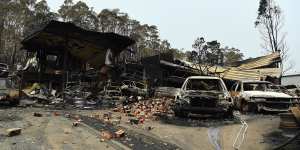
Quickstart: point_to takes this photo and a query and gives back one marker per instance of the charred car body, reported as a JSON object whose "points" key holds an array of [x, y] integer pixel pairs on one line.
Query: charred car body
{"points": [[203, 95], [133, 88], [281, 88], [259, 96], [111, 95], [294, 89]]}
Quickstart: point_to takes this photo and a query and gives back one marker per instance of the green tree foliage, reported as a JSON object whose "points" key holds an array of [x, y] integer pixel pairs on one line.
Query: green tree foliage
{"points": [[178, 53], [18, 18], [232, 55], [3, 8], [79, 13], [215, 55], [66, 12], [208, 54], [146, 36], [42, 13]]}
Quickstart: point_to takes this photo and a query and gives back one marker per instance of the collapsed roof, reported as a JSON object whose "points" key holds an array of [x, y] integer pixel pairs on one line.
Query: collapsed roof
{"points": [[88, 46], [259, 62], [255, 69], [249, 69], [251, 74]]}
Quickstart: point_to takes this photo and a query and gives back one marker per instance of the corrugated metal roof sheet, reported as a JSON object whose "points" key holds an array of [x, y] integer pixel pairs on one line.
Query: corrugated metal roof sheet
{"points": [[234, 74], [251, 74], [261, 61], [254, 69], [273, 72], [251, 69]]}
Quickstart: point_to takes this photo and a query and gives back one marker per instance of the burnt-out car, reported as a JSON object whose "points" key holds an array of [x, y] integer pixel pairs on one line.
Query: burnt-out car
{"points": [[8, 94], [203, 95], [281, 88], [294, 89], [111, 94], [133, 88], [257, 96]]}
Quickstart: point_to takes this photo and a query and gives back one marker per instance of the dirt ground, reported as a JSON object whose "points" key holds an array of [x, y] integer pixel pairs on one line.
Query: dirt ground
{"points": [[169, 132], [44, 133]]}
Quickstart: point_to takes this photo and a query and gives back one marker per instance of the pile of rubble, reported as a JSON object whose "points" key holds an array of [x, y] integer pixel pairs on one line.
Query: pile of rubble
{"points": [[40, 93], [147, 109], [290, 120], [137, 112], [80, 95], [76, 95]]}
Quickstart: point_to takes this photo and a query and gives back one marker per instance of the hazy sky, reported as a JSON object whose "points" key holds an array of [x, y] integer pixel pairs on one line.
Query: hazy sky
{"points": [[231, 22]]}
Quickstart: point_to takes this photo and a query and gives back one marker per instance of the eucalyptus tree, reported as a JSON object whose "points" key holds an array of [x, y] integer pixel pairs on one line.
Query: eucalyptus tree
{"points": [[66, 12], [17, 15], [42, 13], [232, 55], [270, 21], [79, 13]]}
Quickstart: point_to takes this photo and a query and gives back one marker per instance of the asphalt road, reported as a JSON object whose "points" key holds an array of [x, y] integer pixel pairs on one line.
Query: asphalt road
{"points": [[56, 132]]}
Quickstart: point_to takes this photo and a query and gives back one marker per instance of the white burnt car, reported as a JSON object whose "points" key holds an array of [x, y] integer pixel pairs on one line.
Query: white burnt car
{"points": [[257, 96], [203, 95]]}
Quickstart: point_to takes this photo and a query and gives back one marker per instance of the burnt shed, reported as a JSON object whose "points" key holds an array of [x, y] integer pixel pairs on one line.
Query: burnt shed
{"points": [[63, 48]]}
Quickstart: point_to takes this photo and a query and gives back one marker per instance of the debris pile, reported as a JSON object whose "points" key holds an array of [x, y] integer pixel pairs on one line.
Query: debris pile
{"points": [[290, 120], [40, 92], [146, 109], [75, 124], [111, 95], [75, 94], [137, 112], [105, 135], [130, 88], [166, 92], [35, 114]]}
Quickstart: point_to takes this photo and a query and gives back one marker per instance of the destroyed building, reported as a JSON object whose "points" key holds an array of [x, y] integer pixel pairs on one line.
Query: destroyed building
{"points": [[61, 52]]}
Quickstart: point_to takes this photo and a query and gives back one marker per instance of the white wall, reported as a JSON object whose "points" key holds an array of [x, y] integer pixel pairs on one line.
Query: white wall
{"points": [[288, 80]]}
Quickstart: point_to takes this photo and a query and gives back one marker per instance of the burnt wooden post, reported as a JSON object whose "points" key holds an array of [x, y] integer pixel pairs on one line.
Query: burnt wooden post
{"points": [[64, 76], [40, 65], [21, 84]]}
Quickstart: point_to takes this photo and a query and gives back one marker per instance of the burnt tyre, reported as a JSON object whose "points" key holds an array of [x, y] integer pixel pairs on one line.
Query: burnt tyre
{"points": [[181, 113], [248, 107], [228, 113], [14, 102]]}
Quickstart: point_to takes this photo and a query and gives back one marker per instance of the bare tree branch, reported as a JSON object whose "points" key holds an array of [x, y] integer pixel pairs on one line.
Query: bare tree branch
{"points": [[270, 22]]}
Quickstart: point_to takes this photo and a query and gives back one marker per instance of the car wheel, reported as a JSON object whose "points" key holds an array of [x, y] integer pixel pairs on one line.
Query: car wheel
{"points": [[248, 107], [228, 113], [14, 102], [181, 113]]}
